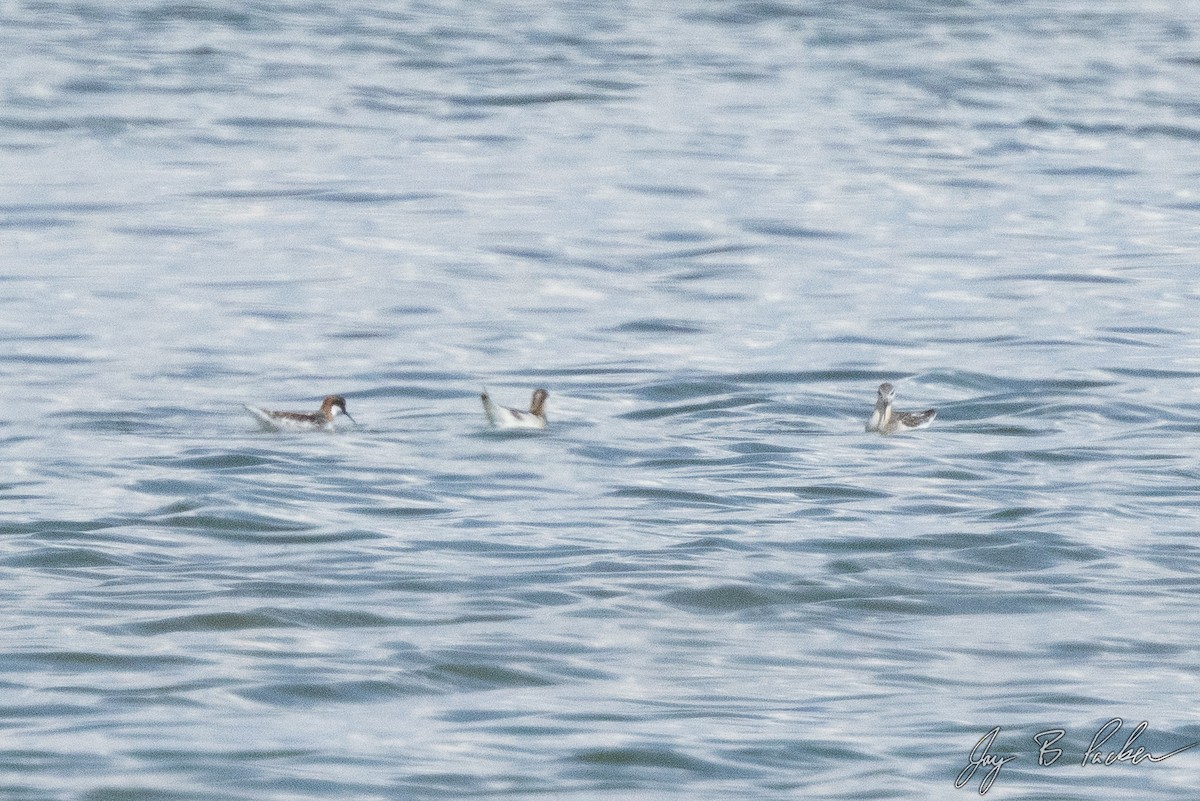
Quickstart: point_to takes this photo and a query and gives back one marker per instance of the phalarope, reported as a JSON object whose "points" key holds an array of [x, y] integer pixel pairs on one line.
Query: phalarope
{"points": [[322, 419], [887, 420], [503, 417]]}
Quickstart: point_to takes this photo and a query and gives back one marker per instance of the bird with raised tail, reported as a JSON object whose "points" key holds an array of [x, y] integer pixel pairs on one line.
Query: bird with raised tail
{"points": [[887, 420], [504, 417], [320, 420]]}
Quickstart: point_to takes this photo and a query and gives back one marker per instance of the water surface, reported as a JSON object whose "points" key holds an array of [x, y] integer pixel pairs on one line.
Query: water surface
{"points": [[710, 230]]}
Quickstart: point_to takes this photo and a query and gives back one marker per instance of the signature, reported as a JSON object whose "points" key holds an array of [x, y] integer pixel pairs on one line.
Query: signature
{"points": [[1097, 752], [981, 755]]}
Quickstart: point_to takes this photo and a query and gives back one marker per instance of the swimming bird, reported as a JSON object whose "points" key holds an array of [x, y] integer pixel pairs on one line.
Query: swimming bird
{"points": [[320, 420], [503, 417], [887, 420]]}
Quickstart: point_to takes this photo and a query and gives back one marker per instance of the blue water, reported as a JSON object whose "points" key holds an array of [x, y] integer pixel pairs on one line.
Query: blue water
{"points": [[710, 230]]}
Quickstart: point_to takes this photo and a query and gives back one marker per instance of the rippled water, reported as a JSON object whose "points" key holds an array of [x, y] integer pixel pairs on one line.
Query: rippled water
{"points": [[710, 230]]}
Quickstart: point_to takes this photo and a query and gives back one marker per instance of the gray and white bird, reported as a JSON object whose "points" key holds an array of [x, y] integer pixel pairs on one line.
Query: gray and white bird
{"points": [[320, 420], [886, 420], [504, 417]]}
